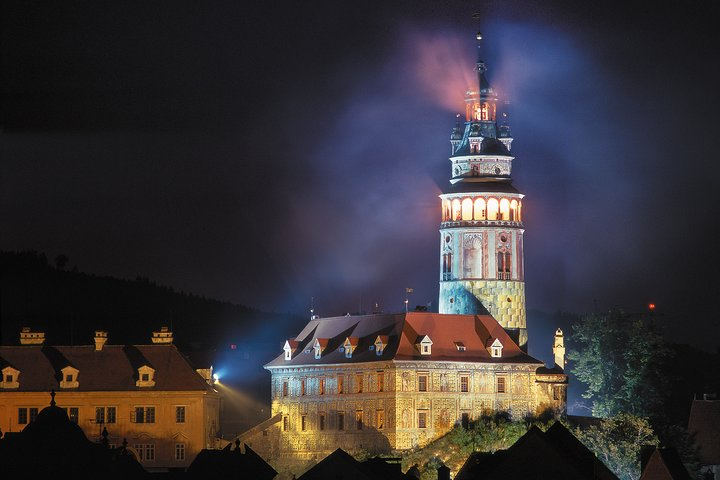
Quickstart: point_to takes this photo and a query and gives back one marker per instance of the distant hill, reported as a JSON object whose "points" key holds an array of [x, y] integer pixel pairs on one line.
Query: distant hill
{"points": [[70, 305]]}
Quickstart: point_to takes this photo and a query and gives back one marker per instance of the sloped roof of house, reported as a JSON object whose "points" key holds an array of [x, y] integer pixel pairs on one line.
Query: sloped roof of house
{"points": [[114, 368], [402, 331]]}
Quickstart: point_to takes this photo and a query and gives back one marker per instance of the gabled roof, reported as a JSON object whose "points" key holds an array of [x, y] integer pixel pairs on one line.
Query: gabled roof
{"points": [[401, 332], [662, 464], [114, 368]]}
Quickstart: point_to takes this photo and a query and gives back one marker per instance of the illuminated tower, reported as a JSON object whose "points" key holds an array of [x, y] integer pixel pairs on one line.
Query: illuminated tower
{"points": [[481, 234]]}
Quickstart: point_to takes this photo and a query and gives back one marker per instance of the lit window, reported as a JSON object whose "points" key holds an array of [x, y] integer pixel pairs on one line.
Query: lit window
{"points": [[380, 381], [422, 419], [359, 380], [180, 414], [456, 211], [467, 209], [380, 419], [321, 386], [479, 209], [492, 209], [340, 384], [505, 209], [179, 452]]}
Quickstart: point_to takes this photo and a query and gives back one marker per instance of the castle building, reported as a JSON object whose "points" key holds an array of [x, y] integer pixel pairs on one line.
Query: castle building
{"points": [[481, 234], [147, 395], [386, 382]]}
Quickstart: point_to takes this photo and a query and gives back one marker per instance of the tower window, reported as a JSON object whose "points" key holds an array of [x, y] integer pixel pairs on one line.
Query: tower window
{"points": [[479, 209], [504, 264], [492, 209], [447, 266], [467, 209], [456, 211]]}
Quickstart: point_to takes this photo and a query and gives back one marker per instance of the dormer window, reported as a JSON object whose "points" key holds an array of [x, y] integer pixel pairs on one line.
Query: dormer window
{"points": [[69, 377], [496, 349], [460, 346], [10, 377], [290, 348], [380, 343], [319, 346], [146, 377], [350, 345], [424, 345]]}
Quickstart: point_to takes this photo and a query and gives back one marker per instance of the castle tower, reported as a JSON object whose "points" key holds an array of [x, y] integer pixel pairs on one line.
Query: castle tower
{"points": [[481, 234]]}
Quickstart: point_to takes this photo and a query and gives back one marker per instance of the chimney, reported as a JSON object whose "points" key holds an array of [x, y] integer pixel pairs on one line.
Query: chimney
{"points": [[100, 339], [559, 350], [28, 337], [163, 336]]}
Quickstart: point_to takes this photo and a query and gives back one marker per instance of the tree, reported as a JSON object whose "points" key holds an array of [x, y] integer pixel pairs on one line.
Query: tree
{"points": [[619, 357], [617, 442]]}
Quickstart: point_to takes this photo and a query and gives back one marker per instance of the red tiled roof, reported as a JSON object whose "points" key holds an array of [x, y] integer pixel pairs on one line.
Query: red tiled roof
{"points": [[400, 332], [114, 368]]}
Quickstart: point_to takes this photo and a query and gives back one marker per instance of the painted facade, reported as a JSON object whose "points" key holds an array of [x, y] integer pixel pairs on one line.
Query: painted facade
{"points": [[380, 383]]}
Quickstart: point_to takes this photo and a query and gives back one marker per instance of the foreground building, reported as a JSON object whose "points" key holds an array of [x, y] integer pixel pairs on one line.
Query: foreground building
{"points": [[388, 382], [148, 395]]}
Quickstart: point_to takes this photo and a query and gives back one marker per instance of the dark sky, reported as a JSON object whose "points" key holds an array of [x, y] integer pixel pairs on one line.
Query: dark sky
{"points": [[270, 153]]}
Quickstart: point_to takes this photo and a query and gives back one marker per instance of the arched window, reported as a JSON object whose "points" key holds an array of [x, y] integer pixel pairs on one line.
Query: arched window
{"points": [[505, 209], [479, 213], [456, 210], [447, 266], [467, 206], [504, 257], [446, 210], [514, 211], [519, 212], [492, 209]]}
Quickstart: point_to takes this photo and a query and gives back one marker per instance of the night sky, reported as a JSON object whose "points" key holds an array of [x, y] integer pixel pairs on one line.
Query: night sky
{"points": [[275, 154]]}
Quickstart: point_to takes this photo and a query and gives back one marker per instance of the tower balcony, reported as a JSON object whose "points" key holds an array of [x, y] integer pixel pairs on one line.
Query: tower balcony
{"points": [[482, 223]]}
